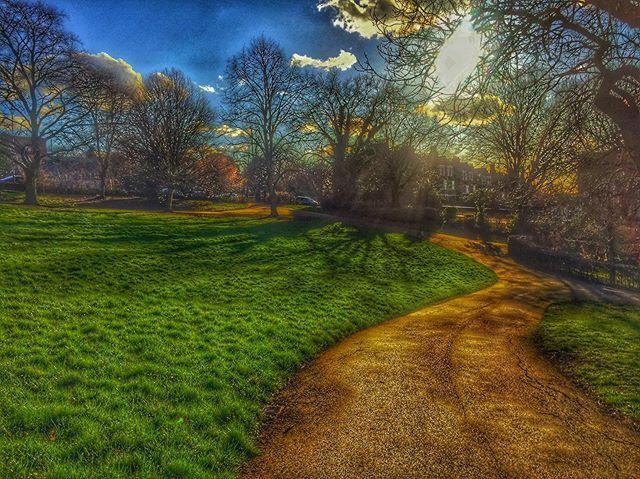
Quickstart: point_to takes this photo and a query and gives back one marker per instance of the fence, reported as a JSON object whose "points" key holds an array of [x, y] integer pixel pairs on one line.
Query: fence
{"points": [[611, 274]]}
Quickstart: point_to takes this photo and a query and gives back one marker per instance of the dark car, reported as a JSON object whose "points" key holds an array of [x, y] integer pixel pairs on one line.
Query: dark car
{"points": [[306, 201]]}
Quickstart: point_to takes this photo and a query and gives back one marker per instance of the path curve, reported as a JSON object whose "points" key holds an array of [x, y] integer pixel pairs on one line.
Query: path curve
{"points": [[455, 390]]}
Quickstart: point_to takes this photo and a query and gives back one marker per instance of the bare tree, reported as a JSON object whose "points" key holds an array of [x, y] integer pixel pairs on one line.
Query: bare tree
{"points": [[608, 190], [405, 136], [530, 136], [593, 41], [581, 40], [169, 125], [390, 171], [263, 101], [107, 102], [346, 115], [37, 95]]}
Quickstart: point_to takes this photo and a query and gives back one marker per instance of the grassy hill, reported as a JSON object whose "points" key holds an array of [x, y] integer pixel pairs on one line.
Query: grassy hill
{"points": [[146, 345]]}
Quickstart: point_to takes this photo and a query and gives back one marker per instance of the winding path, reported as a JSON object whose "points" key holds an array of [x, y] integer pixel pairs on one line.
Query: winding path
{"points": [[455, 390]]}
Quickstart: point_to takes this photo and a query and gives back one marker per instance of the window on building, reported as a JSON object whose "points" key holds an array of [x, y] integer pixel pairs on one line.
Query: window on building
{"points": [[449, 171]]}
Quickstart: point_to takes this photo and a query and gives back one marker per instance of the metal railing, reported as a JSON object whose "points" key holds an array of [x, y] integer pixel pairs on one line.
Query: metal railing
{"points": [[611, 274]]}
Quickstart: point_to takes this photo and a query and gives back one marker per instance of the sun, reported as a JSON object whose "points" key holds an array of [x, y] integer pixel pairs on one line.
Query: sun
{"points": [[458, 57]]}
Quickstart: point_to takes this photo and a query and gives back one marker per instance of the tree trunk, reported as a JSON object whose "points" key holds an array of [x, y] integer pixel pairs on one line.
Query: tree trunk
{"points": [[611, 253], [33, 161], [344, 185], [272, 185], [273, 200], [623, 10], [626, 117], [395, 196], [103, 186], [31, 186], [170, 200]]}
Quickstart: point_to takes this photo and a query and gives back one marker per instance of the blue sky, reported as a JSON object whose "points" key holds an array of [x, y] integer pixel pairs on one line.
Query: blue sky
{"points": [[198, 36]]}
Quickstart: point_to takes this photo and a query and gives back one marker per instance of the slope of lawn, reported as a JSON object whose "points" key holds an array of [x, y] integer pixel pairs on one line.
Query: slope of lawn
{"points": [[146, 345], [599, 345]]}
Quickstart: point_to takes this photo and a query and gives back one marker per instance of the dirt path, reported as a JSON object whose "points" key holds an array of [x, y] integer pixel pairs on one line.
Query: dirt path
{"points": [[253, 211], [456, 390]]}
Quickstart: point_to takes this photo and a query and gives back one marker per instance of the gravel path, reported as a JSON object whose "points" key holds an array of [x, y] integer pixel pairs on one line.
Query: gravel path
{"points": [[455, 390]]}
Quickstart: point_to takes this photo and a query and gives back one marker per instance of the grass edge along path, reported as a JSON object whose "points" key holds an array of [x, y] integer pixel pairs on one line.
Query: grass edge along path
{"points": [[599, 346]]}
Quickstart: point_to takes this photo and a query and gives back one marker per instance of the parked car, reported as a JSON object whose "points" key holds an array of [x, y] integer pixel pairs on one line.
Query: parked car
{"points": [[306, 201], [12, 180]]}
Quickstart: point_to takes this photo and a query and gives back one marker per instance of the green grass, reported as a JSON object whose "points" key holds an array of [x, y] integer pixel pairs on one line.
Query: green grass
{"points": [[206, 205], [146, 345], [70, 201], [50, 201], [599, 345]]}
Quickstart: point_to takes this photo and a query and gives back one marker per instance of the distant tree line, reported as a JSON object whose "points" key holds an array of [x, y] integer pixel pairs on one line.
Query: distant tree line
{"points": [[52, 95], [555, 99]]}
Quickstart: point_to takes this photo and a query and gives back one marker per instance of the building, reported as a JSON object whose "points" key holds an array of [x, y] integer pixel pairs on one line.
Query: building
{"points": [[70, 173], [14, 145], [456, 179]]}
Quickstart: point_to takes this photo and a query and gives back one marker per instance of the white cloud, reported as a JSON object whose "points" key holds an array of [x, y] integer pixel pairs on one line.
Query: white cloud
{"points": [[226, 130], [357, 16], [343, 61], [208, 88], [220, 77], [119, 68]]}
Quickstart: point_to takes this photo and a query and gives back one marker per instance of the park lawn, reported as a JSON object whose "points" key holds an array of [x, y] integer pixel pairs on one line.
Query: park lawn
{"points": [[14, 197], [599, 345], [50, 201], [146, 345], [207, 205]]}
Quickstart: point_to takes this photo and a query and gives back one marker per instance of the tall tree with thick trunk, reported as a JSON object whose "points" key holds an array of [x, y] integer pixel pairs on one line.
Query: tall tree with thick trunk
{"points": [[346, 115], [37, 94], [263, 102]]}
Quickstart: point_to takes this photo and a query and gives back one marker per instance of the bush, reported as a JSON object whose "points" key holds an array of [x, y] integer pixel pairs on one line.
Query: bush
{"points": [[425, 217], [449, 214], [285, 197], [327, 203]]}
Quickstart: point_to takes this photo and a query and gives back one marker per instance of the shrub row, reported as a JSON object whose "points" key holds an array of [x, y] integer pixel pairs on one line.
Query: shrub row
{"points": [[425, 218]]}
